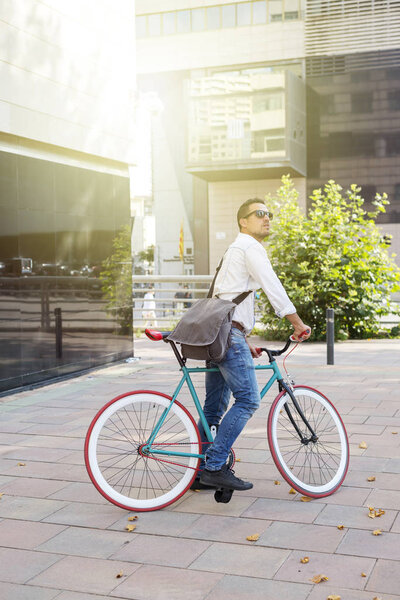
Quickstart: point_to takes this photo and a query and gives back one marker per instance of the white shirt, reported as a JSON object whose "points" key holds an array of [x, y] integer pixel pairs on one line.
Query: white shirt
{"points": [[246, 266]]}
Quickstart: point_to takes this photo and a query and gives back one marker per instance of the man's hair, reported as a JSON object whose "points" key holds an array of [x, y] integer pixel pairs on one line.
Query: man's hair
{"points": [[244, 209]]}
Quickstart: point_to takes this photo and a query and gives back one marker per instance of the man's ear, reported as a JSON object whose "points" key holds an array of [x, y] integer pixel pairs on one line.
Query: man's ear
{"points": [[242, 222]]}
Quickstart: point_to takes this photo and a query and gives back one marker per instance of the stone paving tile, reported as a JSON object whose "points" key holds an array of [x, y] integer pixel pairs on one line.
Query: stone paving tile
{"points": [[382, 451], [342, 571], [44, 470], [392, 466], [368, 463], [390, 421], [85, 515], [81, 596], [237, 588], [19, 566], [158, 550], [283, 510], [73, 458], [237, 559], [383, 481], [26, 534], [266, 488], [204, 503], [33, 509], [33, 488], [51, 441], [363, 543], [301, 536], [384, 499], [93, 543], [225, 529], [324, 590], [80, 574], [385, 578], [36, 454], [347, 496], [161, 522], [167, 583], [396, 525], [13, 591], [355, 517], [79, 492]]}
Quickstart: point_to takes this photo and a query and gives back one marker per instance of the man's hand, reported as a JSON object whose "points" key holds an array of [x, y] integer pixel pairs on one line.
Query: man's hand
{"points": [[301, 331], [253, 350]]}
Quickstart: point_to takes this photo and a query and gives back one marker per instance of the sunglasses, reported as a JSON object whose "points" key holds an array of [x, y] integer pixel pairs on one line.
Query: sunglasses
{"points": [[260, 214]]}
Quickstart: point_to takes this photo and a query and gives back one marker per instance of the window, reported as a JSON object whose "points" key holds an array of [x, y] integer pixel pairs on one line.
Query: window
{"points": [[275, 10], [229, 15], [154, 23], [198, 19], [269, 140], [244, 13], [213, 17], [394, 100], [328, 104], [259, 12], [183, 21], [141, 27], [291, 10], [361, 103], [396, 196], [263, 103], [169, 23]]}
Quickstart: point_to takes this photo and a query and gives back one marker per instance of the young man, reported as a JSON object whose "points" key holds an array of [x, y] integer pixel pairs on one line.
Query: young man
{"points": [[245, 267]]}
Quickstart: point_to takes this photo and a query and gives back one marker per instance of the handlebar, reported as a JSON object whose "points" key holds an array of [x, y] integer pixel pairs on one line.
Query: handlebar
{"points": [[285, 347]]}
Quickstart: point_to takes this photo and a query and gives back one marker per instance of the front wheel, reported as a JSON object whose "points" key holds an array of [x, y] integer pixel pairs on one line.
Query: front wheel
{"points": [[315, 468], [120, 466]]}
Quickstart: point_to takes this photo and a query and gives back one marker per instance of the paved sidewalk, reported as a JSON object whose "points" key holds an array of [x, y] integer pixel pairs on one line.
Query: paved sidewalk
{"points": [[60, 539]]}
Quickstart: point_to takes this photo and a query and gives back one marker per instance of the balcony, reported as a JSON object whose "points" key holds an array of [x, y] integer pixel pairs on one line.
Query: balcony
{"points": [[247, 126]]}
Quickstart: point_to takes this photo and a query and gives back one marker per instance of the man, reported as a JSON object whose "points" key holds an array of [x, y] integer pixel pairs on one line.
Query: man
{"points": [[245, 267]]}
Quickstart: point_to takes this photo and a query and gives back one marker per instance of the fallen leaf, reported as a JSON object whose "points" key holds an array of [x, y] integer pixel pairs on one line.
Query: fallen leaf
{"points": [[238, 460], [1, 494], [395, 432], [375, 512], [319, 578], [253, 538], [376, 598], [340, 526], [132, 518], [292, 491], [377, 532], [118, 575], [305, 499], [21, 464], [363, 574], [333, 597], [363, 445], [130, 527], [277, 482], [305, 560], [372, 478]]}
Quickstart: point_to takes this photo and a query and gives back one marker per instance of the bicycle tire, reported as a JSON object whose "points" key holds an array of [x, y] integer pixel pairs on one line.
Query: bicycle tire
{"points": [[113, 458], [316, 469]]}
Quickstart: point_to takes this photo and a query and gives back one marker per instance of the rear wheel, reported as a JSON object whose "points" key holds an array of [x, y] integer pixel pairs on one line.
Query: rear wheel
{"points": [[120, 466], [314, 468]]}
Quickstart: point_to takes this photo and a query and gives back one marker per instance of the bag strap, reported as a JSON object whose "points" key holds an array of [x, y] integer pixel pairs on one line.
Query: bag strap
{"points": [[236, 300]]}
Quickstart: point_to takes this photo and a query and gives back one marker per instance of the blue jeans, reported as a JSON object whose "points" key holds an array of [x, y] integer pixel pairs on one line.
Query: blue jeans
{"points": [[237, 375]]}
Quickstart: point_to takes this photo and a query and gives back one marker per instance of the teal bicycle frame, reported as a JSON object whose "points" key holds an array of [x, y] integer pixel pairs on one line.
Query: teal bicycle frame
{"points": [[148, 449]]}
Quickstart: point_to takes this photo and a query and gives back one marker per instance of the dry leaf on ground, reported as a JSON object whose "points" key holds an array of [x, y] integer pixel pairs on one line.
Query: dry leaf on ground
{"points": [[20, 464], [277, 482], [132, 518], [238, 459], [130, 527], [376, 598], [395, 432], [305, 499], [292, 491], [334, 597], [340, 526], [253, 538], [319, 578], [118, 575], [363, 574], [372, 478], [363, 445], [377, 532], [373, 513], [305, 560]]}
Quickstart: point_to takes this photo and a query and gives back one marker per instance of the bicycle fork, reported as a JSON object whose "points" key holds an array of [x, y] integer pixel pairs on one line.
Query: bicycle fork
{"points": [[304, 440]]}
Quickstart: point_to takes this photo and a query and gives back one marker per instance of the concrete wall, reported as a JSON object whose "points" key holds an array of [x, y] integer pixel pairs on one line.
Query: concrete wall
{"points": [[68, 74]]}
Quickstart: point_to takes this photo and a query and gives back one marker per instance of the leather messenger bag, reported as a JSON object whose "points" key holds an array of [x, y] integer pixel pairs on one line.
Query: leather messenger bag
{"points": [[204, 331]]}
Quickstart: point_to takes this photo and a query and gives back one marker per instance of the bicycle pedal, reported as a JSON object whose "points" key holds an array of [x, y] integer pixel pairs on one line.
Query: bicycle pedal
{"points": [[223, 495]]}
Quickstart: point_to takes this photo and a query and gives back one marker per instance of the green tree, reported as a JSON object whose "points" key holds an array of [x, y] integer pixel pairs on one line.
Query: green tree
{"points": [[116, 278], [336, 256]]}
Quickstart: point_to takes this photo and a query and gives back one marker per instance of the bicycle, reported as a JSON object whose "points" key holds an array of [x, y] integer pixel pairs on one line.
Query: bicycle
{"points": [[143, 448]]}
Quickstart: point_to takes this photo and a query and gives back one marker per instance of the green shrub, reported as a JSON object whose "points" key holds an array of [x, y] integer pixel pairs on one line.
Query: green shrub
{"points": [[116, 278], [335, 257]]}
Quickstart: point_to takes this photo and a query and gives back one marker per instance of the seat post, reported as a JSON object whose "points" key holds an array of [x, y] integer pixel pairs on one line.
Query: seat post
{"points": [[179, 358]]}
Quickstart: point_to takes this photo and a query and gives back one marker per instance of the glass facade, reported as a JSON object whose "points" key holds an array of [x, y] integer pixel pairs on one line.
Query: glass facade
{"points": [[58, 224], [354, 132]]}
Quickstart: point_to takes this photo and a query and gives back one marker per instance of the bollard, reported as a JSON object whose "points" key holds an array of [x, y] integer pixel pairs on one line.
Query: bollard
{"points": [[58, 330], [330, 335]]}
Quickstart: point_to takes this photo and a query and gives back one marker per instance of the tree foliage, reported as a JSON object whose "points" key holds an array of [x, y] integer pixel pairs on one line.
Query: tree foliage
{"points": [[116, 278], [333, 257]]}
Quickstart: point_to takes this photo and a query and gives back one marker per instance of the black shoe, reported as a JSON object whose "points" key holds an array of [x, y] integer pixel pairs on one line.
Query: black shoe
{"points": [[197, 485], [224, 478]]}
